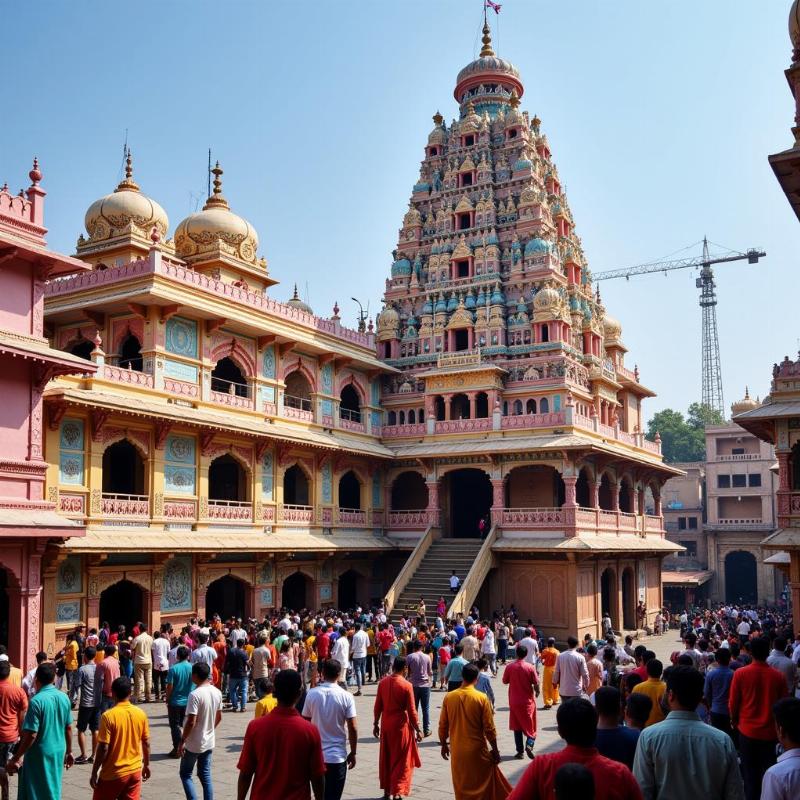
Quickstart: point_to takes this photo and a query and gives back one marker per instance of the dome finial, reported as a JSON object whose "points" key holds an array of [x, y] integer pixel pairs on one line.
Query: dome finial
{"points": [[438, 119], [129, 183], [217, 200], [486, 50], [295, 296]]}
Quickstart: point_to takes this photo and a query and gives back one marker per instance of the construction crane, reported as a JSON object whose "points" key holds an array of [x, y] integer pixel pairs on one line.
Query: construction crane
{"points": [[711, 370]]}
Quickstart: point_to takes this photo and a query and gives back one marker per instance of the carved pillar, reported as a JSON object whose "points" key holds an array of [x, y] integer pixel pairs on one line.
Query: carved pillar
{"points": [[498, 500], [783, 471], [615, 487], [471, 403], [570, 491], [447, 399], [595, 498], [656, 504]]}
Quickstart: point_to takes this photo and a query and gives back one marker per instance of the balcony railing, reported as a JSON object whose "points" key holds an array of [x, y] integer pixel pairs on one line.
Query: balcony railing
{"points": [[739, 521], [125, 505], [298, 408], [532, 517], [533, 420], [463, 425], [740, 457], [122, 375], [398, 431], [229, 399], [415, 519], [230, 510], [350, 415], [289, 512], [352, 516]]}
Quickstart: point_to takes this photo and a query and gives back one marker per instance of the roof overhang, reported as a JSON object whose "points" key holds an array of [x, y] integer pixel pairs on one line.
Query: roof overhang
{"points": [[48, 262], [686, 578], [589, 544]]}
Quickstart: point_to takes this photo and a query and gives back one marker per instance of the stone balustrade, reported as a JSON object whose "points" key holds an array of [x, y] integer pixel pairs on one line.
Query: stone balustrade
{"points": [[230, 510], [125, 505], [463, 425], [532, 517], [533, 420], [296, 513], [122, 375], [351, 425], [181, 388], [351, 516], [399, 431], [413, 519], [234, 400]]}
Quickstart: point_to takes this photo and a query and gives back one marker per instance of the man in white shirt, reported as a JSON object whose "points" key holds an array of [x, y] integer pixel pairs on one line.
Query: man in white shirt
{"points": [[333, 710], [531, 645], [160, 664], [571, 674], [341, 652], [455, 582], [782, 780], [260, 662], [358, 652], [488, 649], [28, 682], [142, 647], [743, 629], [470, 646], [286, 623], [203, 714]]}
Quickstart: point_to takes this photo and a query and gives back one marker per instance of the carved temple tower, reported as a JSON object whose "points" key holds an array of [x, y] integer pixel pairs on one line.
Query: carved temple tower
{"points": [[513, 403]]}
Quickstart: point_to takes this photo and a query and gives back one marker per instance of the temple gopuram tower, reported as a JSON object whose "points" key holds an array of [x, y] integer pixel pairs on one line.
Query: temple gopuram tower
{"points": [[513, 415]]}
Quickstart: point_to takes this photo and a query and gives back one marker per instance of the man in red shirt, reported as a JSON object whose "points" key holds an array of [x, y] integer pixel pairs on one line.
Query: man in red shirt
{"points": [[282, 752], [323, 644], [106, 672], [577, 725], [385, 639], [754, 691], [13, 705]]}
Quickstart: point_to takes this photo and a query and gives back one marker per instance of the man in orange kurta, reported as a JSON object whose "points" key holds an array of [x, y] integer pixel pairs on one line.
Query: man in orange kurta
{"points": [[398, 755], [523, 683], [549, 657], [467, 721]]}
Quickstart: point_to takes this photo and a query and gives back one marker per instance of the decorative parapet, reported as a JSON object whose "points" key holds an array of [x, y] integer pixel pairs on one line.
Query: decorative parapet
{"points": [[461, 358], [463, 425], [230, 510], [398, 431], [533, 420], [130, 376], [158, 264], [415, 519], [125, 505], [22, 215]]}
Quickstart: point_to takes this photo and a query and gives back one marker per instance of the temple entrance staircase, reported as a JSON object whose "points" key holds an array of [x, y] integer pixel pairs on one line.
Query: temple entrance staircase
{"points": [[429, 573]]}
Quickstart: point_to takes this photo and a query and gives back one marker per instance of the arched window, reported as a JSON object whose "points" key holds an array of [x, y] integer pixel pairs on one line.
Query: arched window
{"points": [[439, 407], [228, 378], [421, 416], [295, 487], [350, 491], [392, 418], [412, 417], [544, 406], [350, 404], [517, 407], [123, 470], [530, 406], [545, 333], [626, 496], [583, 494], [298, 391], [505, 408], [401, 417], [227, 479], [481, 405], [606, 494], [82, 349], [130, 354], [459, 407]]}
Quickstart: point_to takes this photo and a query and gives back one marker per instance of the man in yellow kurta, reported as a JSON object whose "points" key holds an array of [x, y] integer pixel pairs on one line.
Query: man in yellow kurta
{"points": [[467, 721], [549, 657]]}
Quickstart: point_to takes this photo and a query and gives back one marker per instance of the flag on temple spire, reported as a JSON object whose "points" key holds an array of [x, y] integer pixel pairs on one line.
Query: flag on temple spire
{"points": [[494, 6]]}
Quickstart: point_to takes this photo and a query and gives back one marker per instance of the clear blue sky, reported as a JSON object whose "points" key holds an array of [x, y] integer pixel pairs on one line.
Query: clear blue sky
{"points": [[660, 117]]}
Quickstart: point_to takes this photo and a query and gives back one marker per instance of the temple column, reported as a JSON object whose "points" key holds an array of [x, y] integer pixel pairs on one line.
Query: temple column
{"points": [[447, 399], [471, 405], [433, 502], [570, 490], [615, 487], [595, 499], [498, 500]]}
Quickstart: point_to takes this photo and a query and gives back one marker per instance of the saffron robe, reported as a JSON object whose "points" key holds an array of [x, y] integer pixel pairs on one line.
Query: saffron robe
{"points": [[521, 678], [468, 721], [398, 755]]}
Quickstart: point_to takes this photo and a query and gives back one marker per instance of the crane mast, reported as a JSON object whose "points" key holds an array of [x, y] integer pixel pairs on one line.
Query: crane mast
{"points": [[711, 394]]}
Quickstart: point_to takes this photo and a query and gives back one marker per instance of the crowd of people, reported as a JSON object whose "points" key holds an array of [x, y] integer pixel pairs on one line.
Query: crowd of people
{"points": [[722, 718]]}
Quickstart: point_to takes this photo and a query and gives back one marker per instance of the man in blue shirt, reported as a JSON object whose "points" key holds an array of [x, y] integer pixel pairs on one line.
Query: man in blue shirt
{"points": [[454, 669], [717, 689], [613, 740], [179, 684]]}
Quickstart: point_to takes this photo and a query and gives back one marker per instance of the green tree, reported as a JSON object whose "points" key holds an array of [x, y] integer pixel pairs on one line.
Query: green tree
{"points": [[683, 438]]}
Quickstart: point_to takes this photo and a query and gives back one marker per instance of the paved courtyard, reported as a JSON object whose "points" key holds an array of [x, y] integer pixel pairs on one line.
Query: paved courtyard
{"points": [[431, 781]]}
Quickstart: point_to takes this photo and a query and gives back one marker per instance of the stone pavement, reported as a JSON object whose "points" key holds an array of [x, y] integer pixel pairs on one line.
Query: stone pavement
{"points": [[431, 781]]}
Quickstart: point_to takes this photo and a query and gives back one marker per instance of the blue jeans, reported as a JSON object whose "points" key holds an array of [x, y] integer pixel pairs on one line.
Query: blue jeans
{"points": [[237, 691], [422, 696], [360, 670], [203, 761]]}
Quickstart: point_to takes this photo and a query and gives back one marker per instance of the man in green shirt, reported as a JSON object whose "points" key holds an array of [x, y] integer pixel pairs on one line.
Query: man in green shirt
{"points": [[46, 741], [179, 684]]}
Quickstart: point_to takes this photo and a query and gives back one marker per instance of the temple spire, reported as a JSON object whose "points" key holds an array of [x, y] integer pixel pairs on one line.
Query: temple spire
{"points": [[486, 50], [216, 200], [128, 183]]}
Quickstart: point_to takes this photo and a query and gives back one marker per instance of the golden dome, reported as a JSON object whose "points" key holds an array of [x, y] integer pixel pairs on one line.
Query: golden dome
{"points": [[546, 298], [216, 227], [612, 328], [388, 324], [794, 24], [125, 206], [745, 404]]}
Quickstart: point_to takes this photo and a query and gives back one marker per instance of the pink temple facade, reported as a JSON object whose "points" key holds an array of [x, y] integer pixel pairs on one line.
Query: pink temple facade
{"points": [[28, 523]]}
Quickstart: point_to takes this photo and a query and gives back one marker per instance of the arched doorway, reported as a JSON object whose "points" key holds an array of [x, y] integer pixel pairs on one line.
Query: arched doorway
{"points": [[123, 470], [608, 596], [351, 591], [459, 407], [295, 487], [4, 607], [298, 391], [628, 599], [626, 496], [228, 378], [605, 496], [83, 348], [130, 354], [227, 480], [741, 578], [350, 491], [122, 603], [350, 404], [409, 492], [469, 498], [481, 405], [225, 596], [583, 494], [295, 594]]}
